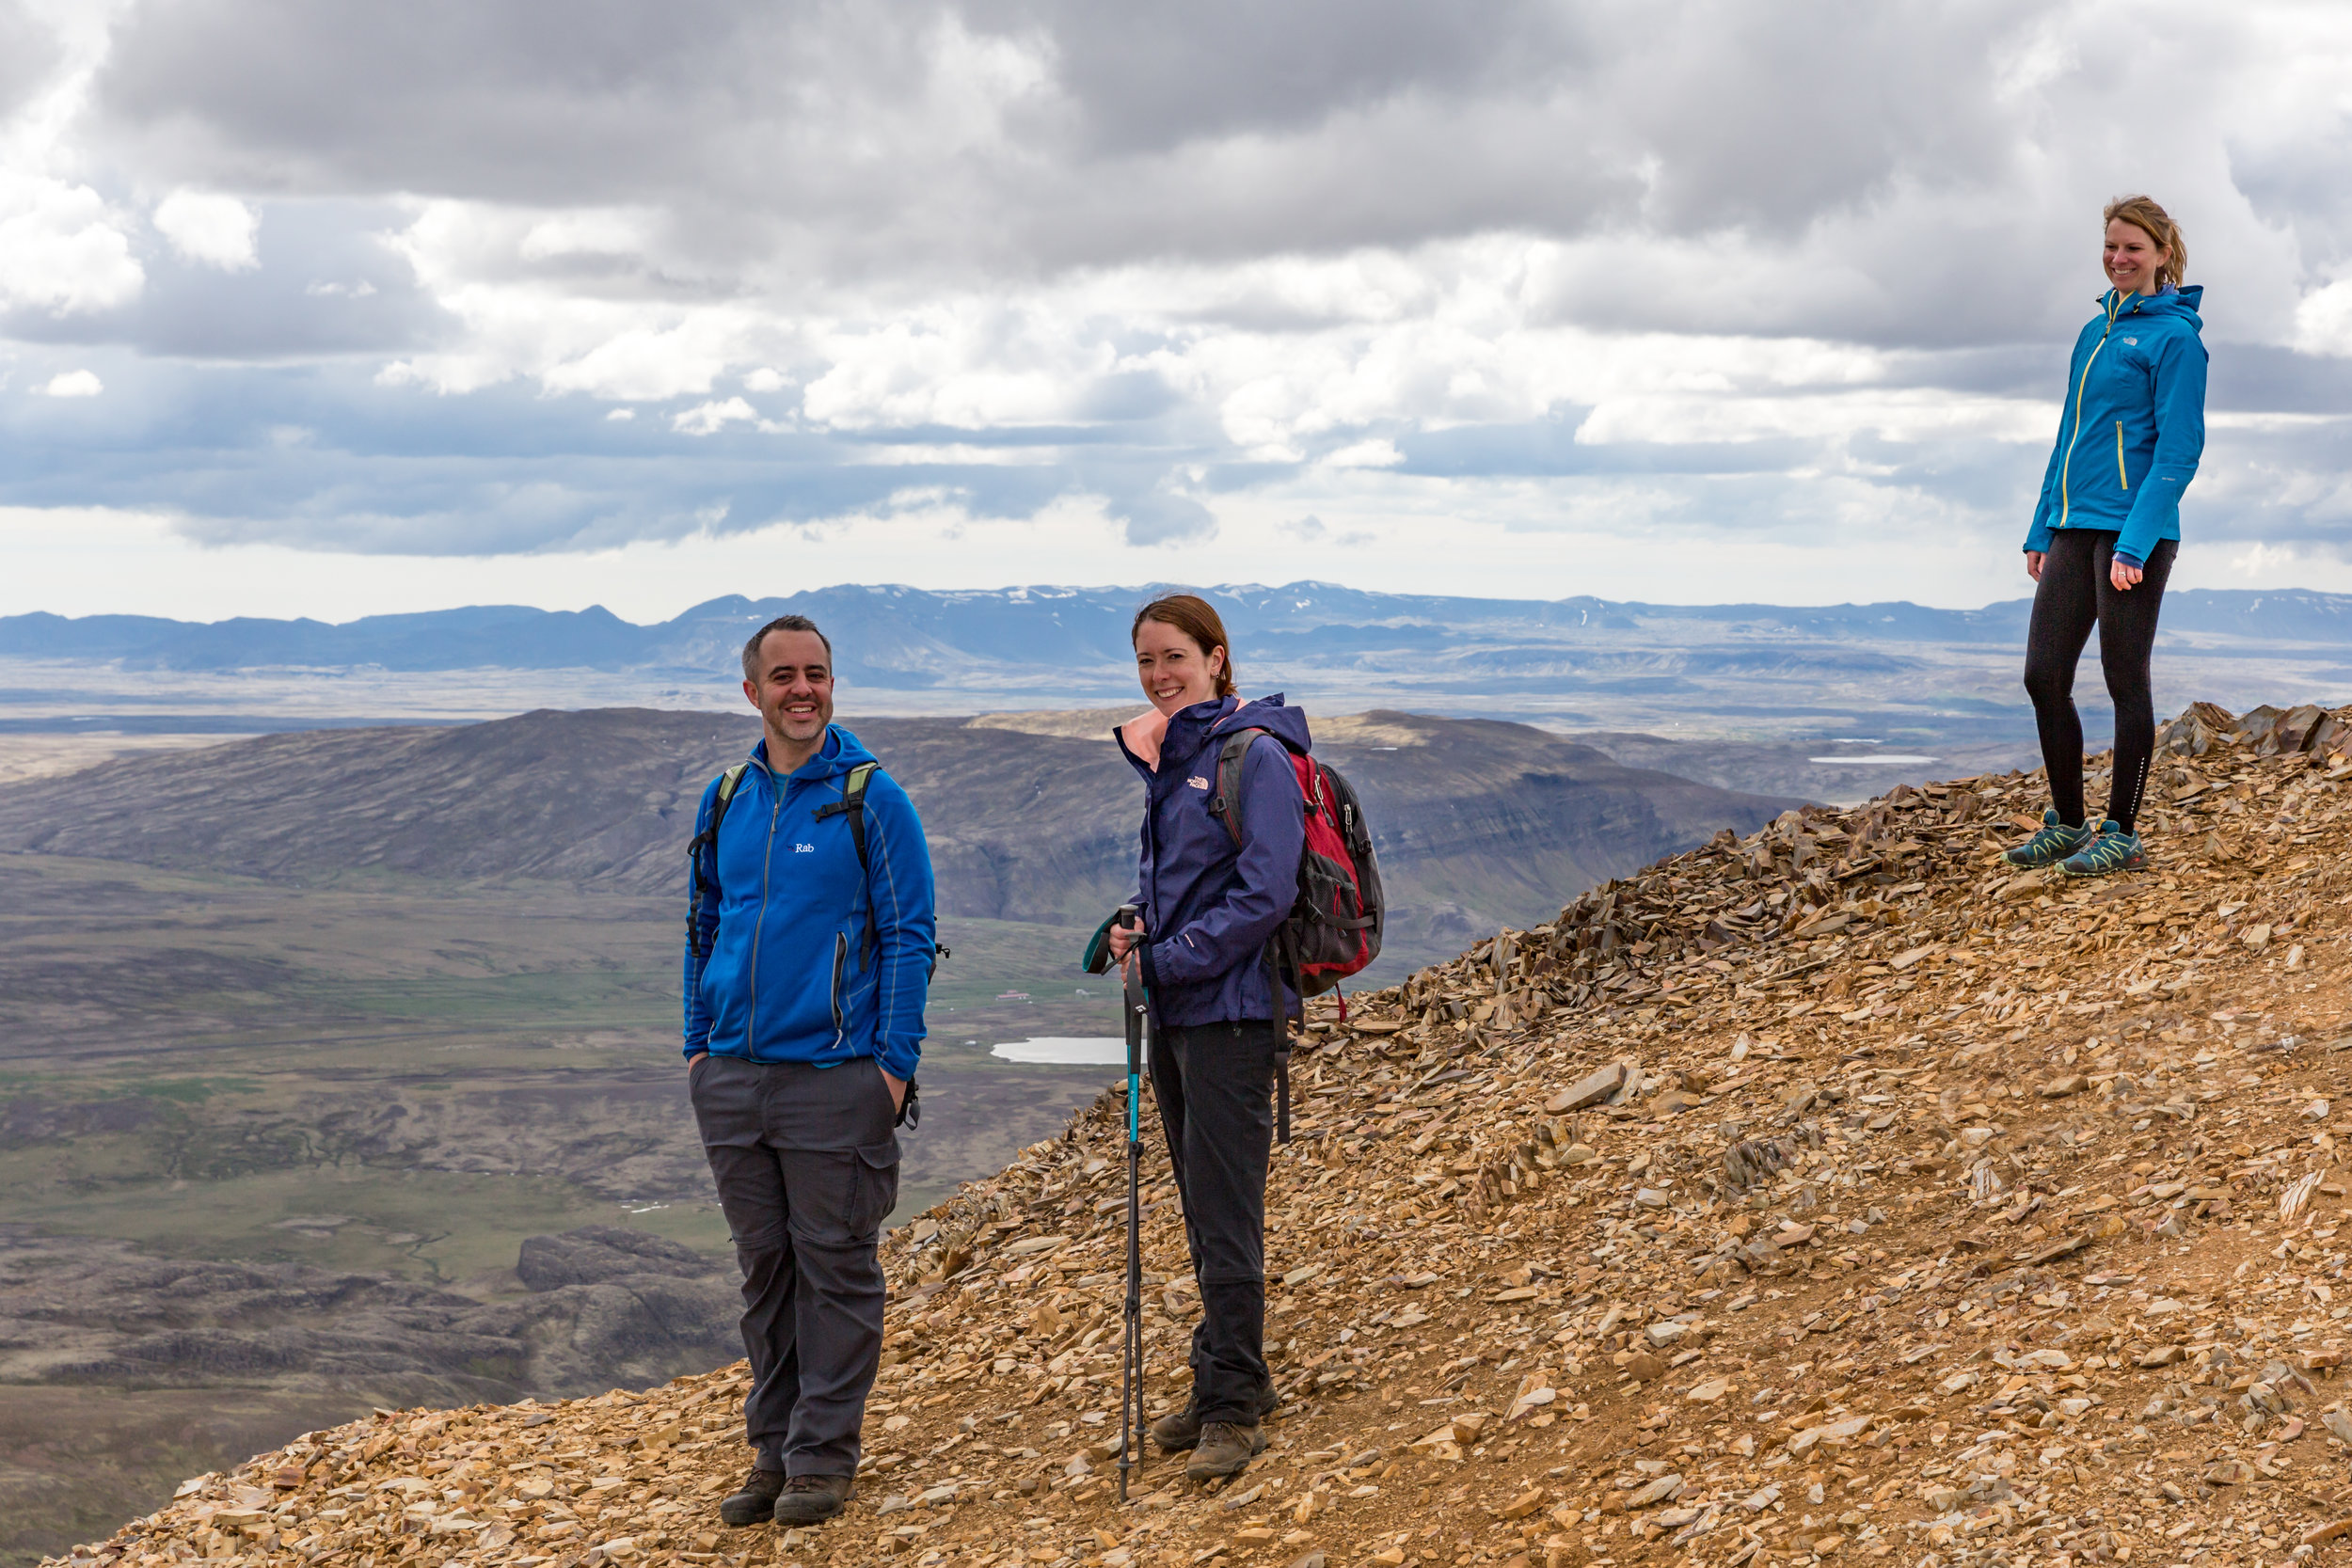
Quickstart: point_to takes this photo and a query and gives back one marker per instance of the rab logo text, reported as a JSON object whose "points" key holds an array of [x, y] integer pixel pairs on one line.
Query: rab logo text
{"points": [[804, 848], [1198, 782]]}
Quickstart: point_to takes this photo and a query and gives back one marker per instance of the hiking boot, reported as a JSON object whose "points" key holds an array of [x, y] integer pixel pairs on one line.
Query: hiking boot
{"points": [[810, 1498], [754, 1501], [1180, 1430], [1225, 1448], [2053, 844], [2113, 850]]}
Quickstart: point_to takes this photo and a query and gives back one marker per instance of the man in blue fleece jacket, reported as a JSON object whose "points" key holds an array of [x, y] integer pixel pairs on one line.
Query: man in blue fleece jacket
{"points": [[806, 964]]}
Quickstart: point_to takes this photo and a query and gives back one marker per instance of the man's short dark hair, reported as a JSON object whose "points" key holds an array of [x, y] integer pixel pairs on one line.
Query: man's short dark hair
{"points": [[781, 622]]}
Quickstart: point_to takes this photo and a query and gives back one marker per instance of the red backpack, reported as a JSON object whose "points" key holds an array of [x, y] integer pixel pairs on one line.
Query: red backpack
{"points": [[1333, 930]]}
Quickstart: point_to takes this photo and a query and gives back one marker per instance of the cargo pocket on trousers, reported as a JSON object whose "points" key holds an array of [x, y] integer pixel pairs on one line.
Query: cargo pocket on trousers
{"points": [[873, 1187]]}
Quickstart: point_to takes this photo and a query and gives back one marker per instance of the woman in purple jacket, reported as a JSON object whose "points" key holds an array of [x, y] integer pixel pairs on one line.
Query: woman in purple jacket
{"points": [[1211, 906]]}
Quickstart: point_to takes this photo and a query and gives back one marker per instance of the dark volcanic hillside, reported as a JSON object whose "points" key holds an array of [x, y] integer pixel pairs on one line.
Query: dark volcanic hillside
{"points": [[1478, 822]]}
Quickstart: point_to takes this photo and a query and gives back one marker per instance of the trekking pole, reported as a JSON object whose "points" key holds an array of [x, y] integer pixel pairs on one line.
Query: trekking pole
{"points": [[1131, 1386]]}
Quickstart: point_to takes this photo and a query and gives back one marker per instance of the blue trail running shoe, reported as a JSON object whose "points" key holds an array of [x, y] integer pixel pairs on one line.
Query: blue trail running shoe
{"points": [[2113, 850], [2053, 844]]}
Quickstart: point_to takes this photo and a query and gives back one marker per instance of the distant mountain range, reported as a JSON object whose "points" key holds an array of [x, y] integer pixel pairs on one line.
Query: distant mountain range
{"points": [[1477, 823], [1853, 698], [896, 637]]}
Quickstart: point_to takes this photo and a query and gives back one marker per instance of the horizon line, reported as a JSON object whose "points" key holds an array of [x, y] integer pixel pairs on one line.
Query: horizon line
{"points": [[1074, 590]]}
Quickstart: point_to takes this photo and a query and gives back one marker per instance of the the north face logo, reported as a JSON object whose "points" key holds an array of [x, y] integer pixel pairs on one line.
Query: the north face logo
{"points": [[1198, 782]]}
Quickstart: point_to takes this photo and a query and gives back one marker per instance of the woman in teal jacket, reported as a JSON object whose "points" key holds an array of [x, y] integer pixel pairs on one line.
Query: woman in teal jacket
{"points": [[2107, 528]]}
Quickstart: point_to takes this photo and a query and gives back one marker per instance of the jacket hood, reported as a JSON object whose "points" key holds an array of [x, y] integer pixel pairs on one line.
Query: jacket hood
{"points": [[1149, 742], [840, 752], [2183, 302], [1286, 724]]}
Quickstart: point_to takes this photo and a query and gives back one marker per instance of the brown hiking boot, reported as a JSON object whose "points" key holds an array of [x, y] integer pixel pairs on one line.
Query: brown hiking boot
{"points": [[1177, 1431], [1180, 1430], [754, 1501], [807, 1499], [1225, 1448]]}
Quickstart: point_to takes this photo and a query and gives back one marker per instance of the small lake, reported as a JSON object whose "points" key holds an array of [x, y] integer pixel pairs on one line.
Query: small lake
{"points": [[1868, 761], [1092, 1051]]}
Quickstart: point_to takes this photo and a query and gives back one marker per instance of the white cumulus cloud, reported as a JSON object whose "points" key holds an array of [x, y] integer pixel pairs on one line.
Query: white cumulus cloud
{"points": [[709, 418], [73, 384], [1753, 276], [1379, 452], [210, 229], [62, 251], [2323, 320]]}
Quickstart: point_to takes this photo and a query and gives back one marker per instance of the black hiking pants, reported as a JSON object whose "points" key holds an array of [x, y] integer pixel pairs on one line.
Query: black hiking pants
{"points": [[1214, 1082], [808, 1167], [2074, 595]]}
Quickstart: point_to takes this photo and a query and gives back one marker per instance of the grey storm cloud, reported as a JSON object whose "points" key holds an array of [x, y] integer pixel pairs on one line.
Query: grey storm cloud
{"points": [[1017, 136], [573, 271], [28, 52]]}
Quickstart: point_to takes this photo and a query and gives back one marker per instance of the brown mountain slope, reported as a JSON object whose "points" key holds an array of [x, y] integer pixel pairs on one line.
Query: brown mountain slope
{"points": [[1826, 1193]]}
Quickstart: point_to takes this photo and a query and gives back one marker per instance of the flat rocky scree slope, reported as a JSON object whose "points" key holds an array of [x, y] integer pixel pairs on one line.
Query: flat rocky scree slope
{"points": [[1824, 1192]]}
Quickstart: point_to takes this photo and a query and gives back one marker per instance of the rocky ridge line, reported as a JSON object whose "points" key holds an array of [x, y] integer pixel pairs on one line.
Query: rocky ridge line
{"points": [[1829, 1192]]}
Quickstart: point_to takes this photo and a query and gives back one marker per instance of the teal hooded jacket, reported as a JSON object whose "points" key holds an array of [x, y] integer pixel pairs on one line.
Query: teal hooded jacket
{"points": [[804, 956], [2134, 424]]}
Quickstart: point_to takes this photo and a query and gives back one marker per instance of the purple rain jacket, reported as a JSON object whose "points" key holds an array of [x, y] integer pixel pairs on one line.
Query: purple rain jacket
{"points": [[1209, 907]]}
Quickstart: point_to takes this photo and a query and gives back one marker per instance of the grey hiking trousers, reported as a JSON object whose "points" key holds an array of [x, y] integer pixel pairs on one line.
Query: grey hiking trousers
{"points": [[808, 1167]]}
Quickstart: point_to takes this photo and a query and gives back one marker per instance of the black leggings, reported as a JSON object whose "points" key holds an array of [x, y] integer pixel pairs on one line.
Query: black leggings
{"points": [[2074, 594]]}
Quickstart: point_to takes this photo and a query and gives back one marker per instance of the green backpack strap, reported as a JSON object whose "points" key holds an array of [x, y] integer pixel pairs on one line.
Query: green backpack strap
{"points": [[703, 848], [728, 783], [852, 804]]}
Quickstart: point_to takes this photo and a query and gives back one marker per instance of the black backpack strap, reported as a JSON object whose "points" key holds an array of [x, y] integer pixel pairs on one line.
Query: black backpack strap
{"points": [[1225, 805], [702, 847], [1281, 1037], [852, 804]]}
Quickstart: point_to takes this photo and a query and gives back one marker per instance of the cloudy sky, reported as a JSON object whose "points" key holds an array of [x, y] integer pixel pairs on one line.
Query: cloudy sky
{"points": [[329, 310]]}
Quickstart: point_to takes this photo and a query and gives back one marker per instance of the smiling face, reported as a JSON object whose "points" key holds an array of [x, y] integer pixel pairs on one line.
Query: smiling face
{"points": [[793, 693], [1174, 670], [2133, 257]]}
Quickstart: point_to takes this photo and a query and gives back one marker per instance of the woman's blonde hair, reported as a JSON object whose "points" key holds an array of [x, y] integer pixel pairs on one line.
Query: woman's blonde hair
{"points": [[2143, 213]]}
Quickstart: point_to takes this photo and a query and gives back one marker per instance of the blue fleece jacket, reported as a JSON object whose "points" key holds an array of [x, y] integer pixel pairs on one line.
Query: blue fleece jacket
{"points": [[788, 975], [2133, 427], [1209, 907]]}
